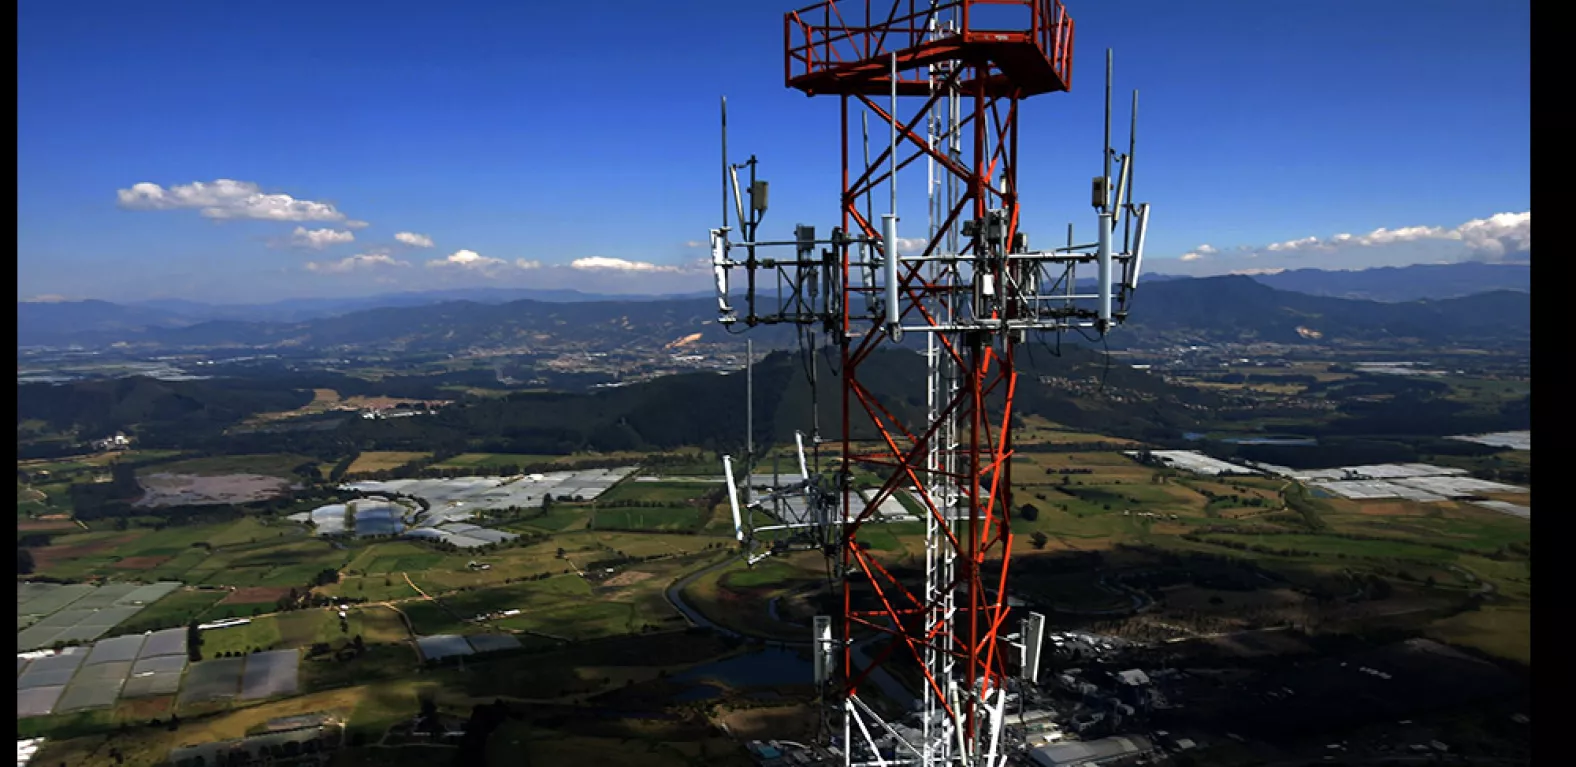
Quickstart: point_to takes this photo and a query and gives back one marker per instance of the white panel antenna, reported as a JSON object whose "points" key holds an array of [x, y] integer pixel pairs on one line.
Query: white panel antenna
{"points": [[1033, 636], [825, 646], [733, 497], [719, 270], [1138, 245]]}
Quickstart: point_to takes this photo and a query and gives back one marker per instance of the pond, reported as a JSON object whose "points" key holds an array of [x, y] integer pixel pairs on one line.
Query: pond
{"points": [[1280, 441], [1196, 436], [767, 667]]}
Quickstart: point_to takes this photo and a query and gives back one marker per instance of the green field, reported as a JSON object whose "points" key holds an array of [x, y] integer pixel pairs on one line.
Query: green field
{"points": [[96, 462], [559, 517], [1505, 632], [396, 557], [380, 625], [287, 562], [767, 573], [295, 629], [378, 689], [375, 460], [177, 609], [665, 493], [1327, 546], [493, 461], [375, 588], [663, 519], [268, 464]]}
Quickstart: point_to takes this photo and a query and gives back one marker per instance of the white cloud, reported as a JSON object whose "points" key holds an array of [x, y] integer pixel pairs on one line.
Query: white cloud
{"points": [[524, 264], [354, 263], [1306, 242], [467, 259], [697, 244], [47, 298], [227, 199], [414, 240], [352, 224], [604, 263], [1486, 238], [1500, 238], [317, 239], [912, 245]]}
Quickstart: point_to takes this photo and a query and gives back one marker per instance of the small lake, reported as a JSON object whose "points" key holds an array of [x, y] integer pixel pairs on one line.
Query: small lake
{"points": [[1281, 441], [762, 668], [1194, 436]]}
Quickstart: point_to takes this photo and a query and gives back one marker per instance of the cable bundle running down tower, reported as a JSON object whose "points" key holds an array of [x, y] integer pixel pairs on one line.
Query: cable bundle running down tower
{"points": [[969, 294]]}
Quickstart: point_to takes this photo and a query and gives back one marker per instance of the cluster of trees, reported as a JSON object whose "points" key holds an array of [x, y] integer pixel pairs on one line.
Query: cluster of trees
{"points": [[484, 719], [240, 755], [337, 473], [305, 599], [1070, 447], [1297, 500], [193, 642], [1218, 499], [636, 503], [1284, 551], [161, 409], [354, 647], [524, 539]]}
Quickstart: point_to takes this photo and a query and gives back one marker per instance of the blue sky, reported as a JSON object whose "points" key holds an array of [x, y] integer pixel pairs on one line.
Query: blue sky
{"points": [[521, 138]]}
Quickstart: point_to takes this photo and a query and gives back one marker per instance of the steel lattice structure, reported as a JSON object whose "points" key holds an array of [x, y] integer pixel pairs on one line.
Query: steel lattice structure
{"points": [[972, 292]]}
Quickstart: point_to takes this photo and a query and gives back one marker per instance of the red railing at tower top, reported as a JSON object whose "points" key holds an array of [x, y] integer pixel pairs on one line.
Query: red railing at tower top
{"points": [[826, 50]]}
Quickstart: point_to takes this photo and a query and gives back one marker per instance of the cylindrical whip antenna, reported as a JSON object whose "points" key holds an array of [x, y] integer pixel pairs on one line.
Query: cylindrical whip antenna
{"points": [[749, 416], [724, 162], [1103, 263], [1132, 150], [889, 233], [892, 158], [1072, 266], [865, 248], [1107, 150], [864, 118]]}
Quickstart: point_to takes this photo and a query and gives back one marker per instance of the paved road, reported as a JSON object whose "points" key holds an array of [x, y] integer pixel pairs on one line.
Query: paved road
{"points": [[675, 595], [881, 678]]}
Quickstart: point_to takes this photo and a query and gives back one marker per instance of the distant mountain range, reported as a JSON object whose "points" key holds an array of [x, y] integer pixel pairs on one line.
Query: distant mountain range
{"points": [[1242, 309], [1405, 283], [1419, 282], [180, 311], [1206, 309]]}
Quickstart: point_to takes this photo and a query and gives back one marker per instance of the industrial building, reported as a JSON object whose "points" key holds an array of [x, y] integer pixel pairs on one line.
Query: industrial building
{"points": [[1193, 461], [1124, 749]]}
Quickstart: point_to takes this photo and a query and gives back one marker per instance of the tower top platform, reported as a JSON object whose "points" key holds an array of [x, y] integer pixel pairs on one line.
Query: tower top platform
{"points": [[1024, 46]]}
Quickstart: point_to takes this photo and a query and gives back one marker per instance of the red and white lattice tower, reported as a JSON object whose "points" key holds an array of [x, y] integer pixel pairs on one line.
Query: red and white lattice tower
{"points": [[942, 82]]}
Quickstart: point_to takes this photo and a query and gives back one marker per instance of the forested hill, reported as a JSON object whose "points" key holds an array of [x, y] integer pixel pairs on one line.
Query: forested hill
{"points": [[1240, 309], [1214, 309], [697, 409]]}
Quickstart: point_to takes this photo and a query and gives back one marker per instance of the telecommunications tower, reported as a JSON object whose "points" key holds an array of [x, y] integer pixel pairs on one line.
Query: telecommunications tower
{"points": [[942, 82]]}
